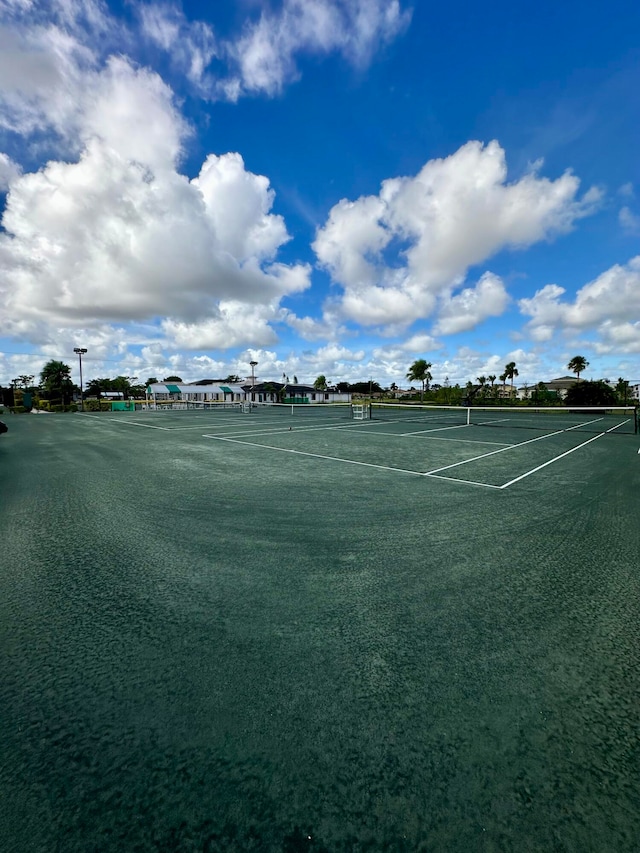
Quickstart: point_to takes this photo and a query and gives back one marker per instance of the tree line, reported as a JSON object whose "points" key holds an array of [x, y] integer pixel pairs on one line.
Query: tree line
{"points": [[56, 387]]}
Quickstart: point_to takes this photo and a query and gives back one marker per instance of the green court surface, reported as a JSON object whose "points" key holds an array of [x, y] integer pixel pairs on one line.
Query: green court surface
{"points": [[246, 632]]}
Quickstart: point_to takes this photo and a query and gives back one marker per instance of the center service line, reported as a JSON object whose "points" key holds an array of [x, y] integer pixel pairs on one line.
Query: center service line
{"points": [[555, 459], [493, 452]]}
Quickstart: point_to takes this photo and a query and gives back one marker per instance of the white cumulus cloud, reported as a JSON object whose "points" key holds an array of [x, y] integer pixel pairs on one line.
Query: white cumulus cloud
{"points": [[119, 234], [456, 212], [9, 171], [472, 306], [610, 305]]}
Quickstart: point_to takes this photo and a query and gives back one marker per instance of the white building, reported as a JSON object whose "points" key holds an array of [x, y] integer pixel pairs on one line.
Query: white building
{"points": [[220, 391]]}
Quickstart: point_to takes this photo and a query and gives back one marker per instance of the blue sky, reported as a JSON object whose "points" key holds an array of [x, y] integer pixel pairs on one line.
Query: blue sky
{"points": [[325, 187]]}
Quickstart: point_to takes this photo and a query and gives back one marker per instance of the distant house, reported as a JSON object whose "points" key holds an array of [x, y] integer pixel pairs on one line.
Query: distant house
{"points": [[288, 392], [561, 385], [219, 391], [504, 391]]}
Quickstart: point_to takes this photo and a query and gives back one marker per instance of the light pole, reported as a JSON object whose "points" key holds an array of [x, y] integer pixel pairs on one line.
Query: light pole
{"points": [[253, 364], [81, 351]]}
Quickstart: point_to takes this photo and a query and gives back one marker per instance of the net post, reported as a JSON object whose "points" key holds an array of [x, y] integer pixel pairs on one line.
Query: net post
{"points": [[468, 415]]}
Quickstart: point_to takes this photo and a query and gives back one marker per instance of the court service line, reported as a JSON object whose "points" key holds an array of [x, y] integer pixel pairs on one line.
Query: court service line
{"points": [[555, 459], [493, 452], [577, 426], [438, 438], [128, 423], [315, 455], [622, 423], [434, 429], [282, 430], [185, 429]]}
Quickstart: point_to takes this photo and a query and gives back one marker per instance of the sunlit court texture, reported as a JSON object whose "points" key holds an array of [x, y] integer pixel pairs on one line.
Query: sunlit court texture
{"points": [[323, 628]]}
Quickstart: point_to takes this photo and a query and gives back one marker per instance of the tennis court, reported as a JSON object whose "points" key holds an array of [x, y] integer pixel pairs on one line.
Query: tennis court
{"points": [[298, 630]]}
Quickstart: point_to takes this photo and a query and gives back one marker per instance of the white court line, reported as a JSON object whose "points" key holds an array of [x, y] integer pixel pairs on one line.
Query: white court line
{"points": [[441, 438], [457, 480], [435, 429], [493, 452], [353, 462], [555, 459], [129, 423], [622, 423], [577, 426], [281, 430], [198, 426], [356, 428], [315, 455]]}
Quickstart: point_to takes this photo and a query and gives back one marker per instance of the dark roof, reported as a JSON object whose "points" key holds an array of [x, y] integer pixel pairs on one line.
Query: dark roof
{"points": [[291, 387]]}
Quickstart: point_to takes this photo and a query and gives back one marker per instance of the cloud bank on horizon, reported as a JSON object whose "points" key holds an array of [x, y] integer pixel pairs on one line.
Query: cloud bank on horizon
{"points": [[115, 238]]}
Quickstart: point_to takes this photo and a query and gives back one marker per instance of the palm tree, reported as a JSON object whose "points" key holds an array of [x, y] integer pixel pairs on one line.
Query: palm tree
{"points": [[578, 365], [419, 372], [55, 376], [623, 390], [510, 372], [321, 383], [492, 379], [482, 381]]}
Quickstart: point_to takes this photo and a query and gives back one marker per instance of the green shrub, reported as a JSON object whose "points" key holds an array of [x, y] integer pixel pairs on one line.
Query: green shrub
{"points": [[17, 410]]}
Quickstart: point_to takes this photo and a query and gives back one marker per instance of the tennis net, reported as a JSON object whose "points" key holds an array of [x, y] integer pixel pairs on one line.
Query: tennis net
{"points": [[188, 406], [612, 419], [303, 410]]}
